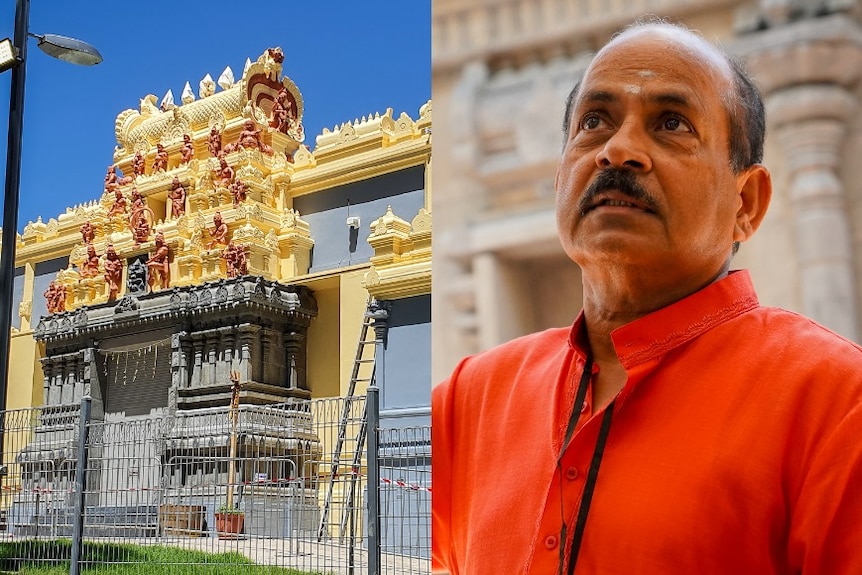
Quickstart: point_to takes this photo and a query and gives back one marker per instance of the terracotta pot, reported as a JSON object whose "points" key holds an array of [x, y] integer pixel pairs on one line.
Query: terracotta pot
{"points": [[229, 525]]}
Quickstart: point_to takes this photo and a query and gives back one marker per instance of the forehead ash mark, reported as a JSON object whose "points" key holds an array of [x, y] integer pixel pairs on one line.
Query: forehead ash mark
{"points": [[646, 73], [632, 89]]}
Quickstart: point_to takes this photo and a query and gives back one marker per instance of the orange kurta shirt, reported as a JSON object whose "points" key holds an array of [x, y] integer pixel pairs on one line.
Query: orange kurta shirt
{"points": [[735, 447]]}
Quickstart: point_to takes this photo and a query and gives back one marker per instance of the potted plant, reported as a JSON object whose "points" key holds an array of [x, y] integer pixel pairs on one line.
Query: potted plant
{"points": [[229, 521], [229, 518]]}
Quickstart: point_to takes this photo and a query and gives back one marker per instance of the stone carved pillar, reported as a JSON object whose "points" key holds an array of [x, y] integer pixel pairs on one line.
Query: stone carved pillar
{"points": [[807, 69], [810, 122], [265, 360], [212, 356], [229, 343], [195, 380], [90, 383], [47, 381], [68, 378], [179, 367], [248, 346], [294, 345]]}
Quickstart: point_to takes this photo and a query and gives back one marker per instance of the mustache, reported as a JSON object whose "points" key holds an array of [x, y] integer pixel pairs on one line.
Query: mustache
{"points": [[621, 180]]}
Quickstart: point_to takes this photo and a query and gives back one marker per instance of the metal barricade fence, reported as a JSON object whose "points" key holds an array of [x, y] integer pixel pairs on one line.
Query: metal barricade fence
{"points": [[164, 489]]}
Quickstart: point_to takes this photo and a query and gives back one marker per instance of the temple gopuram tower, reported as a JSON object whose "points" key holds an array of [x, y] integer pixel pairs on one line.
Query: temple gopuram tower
{"points": [[222, 245]]}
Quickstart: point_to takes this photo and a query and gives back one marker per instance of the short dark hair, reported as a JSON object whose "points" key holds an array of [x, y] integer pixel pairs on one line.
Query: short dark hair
{"points": [[745, 111]]}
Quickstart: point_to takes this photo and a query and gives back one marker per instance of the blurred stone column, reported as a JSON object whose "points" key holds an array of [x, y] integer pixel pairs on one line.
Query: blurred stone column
{"points": [[807, 69], [810, 122]]}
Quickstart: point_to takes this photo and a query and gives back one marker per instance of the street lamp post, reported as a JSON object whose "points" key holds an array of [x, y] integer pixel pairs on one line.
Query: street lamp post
{"points": [[69, 50]]}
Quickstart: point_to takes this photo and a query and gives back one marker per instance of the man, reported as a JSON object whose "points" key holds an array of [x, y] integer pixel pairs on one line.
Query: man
{"points": [[678, 426]]}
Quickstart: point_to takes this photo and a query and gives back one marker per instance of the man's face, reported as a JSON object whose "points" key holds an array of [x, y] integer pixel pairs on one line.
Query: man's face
{"points": [[649, 134]]}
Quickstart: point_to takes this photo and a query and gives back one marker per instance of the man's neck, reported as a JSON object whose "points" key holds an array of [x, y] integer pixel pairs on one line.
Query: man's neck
{"points": [[611, 302]]}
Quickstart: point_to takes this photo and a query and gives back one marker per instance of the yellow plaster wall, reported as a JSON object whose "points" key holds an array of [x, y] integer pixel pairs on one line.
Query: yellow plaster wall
{"points": [[353, 302], [323, 343], [25, 372]]}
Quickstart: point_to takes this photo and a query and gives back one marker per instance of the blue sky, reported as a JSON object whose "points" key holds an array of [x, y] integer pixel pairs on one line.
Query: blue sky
{"points": [[348, 59]]}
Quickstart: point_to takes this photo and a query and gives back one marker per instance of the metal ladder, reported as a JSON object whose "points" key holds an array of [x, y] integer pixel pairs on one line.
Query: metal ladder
{"points": [[359, 360]]}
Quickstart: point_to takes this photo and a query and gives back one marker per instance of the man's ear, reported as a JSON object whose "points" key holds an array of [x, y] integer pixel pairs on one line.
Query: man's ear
{"points": [[755, 192]]}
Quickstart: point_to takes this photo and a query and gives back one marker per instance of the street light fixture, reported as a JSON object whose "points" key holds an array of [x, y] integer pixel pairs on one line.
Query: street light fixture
{"points": [[14, 56]]}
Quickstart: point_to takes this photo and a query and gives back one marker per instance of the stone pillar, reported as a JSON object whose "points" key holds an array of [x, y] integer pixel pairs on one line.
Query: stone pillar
{"points": [[807, 69], [47, 381], [90, 383], [68, 363], [229, 340], [810, 122], [265, 359], [248, 346], [210, 377], [295, 360], [198, 345]]}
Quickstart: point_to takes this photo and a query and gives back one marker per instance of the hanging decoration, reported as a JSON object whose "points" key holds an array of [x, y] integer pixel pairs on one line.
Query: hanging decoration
{"points": [[144, 357]]}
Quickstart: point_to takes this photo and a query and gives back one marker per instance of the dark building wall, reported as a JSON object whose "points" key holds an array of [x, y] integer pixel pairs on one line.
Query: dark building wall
{"points": [[17, 296], [135, 371], [336, 244], [45, 272], [408, 355]]}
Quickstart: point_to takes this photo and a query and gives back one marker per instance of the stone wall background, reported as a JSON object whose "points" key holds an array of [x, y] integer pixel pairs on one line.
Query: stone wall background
{"points": [[501, 72]]}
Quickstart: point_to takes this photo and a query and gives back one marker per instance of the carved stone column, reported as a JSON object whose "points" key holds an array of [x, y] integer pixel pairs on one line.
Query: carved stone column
{"points": [[248, 344], [810, 122], [47, 381], [807, 69], [294, 345], [212, 342], [90, 383], [198, 345]]}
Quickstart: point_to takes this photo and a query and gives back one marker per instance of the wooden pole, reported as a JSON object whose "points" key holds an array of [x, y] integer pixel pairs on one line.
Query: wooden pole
{"points": [[234, 416]]}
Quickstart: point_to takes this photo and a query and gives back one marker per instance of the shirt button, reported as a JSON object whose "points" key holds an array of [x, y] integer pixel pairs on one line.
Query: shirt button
{"points": [[572, 473], [551, 542], [584, 407]]}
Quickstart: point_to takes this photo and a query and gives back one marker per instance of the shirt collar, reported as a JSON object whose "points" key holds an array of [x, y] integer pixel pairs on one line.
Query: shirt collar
{"points": [[655, 334]]}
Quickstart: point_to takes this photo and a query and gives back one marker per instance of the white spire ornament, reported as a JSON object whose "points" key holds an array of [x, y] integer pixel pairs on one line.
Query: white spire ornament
{"points": [[226, 79], [188, 96], [206, 87], [167, 101]]}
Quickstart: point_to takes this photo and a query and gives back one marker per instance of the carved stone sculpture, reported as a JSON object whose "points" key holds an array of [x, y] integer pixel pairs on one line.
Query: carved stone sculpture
{"points": [[218, 233], [187, 152], [138, 164], [282, 112], [141, 218], [214, 142], [55, 297], [113, 272], [177, 196], [90, 266], [136, 283], [236, 260], [111, 179], [119, 206], [238, 190], [249, 139], [225, 173], [160, 163], [88, 233], [159, 265]]}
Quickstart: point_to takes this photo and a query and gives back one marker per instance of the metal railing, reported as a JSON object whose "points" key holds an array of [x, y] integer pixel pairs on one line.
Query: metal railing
{"points": [[163, 481]]}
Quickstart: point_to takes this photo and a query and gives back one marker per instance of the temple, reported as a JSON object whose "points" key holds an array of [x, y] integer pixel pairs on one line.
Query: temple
{"points": [[221, 245]]}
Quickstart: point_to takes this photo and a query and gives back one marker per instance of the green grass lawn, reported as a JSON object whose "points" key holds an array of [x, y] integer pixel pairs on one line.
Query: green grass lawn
{"points": [[52, 558]]}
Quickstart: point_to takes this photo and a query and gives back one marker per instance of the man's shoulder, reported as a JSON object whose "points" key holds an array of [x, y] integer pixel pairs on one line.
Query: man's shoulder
{"points": [[796, 335], [516, 360], [803, 330], [529, 362], [530, 348]]}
